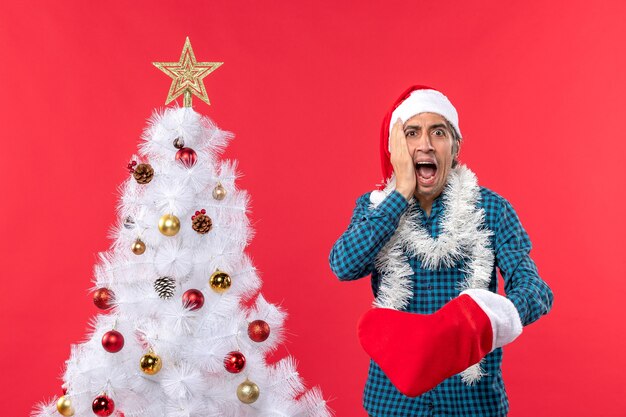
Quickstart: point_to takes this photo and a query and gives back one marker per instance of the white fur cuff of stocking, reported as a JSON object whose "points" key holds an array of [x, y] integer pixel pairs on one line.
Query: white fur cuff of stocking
{"points": [[504, 318]]}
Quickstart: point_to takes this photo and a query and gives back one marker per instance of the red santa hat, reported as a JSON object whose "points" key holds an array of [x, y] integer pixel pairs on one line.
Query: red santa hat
{"points": [[417, 99]]}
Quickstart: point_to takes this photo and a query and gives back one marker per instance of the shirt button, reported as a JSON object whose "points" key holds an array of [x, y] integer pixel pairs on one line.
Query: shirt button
{"points": [[429, 287]]}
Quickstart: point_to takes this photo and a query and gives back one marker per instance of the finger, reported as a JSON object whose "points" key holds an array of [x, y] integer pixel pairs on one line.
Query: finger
{"points": [[397, 136], [392, 136], [402, 147]]}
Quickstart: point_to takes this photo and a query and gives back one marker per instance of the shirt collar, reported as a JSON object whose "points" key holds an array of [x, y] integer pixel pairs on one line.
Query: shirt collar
{"points": [[438, 203], [435, 209]]}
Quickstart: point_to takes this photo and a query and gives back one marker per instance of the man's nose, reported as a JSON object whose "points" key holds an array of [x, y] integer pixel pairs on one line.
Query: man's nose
{"points": [[423, 143]]}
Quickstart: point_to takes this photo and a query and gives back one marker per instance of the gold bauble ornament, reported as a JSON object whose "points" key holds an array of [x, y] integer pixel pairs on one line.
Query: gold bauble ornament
{"points": [[169, 224], [220, 281], [138, 247], [248, 392], [64, 406], [150, 363], [219, 192]]}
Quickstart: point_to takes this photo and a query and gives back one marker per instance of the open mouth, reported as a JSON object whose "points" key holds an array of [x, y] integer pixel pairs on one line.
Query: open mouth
{"points": [[426, 172]]}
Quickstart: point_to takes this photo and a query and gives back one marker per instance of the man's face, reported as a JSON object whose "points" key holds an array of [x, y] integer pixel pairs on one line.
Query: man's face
{"points": [[430, 143]]}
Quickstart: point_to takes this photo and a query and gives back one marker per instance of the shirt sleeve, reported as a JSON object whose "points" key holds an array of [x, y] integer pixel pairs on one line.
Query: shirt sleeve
{"points": [[527, 291], [353, 255]]}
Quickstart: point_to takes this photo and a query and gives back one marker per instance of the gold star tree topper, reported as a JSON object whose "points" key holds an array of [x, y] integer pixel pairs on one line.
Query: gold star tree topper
{"points": [[187, 75]]}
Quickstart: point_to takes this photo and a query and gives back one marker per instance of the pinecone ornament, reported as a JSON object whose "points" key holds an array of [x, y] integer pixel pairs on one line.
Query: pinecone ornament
{"points": [[201, 222], [165, 287], [143, 173]]}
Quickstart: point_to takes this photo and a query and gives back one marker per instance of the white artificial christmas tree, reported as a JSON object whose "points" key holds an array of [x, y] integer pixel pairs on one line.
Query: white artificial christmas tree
{"points": [[175, 339]]}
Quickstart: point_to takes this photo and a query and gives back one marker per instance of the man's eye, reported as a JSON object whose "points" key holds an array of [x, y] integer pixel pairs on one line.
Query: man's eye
{"points": [[440, 132], [410, 133]]}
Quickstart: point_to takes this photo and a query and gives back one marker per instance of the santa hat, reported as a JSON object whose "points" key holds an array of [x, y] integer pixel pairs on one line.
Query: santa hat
{"points": [[417, 99]]}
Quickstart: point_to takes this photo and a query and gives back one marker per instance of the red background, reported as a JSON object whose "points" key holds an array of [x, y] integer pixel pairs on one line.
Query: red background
{"points": [[540, 91]]}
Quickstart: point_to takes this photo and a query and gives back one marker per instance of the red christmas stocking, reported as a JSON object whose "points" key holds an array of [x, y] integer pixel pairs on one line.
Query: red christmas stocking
{"points": [[419, 351]]}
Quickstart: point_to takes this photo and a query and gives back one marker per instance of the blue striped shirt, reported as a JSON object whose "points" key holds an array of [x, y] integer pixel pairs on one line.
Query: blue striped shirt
{"points": [[352, 257]]}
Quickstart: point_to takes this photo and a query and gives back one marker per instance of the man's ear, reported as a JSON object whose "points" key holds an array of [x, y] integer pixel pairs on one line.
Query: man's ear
{"points": [[455, 155]]}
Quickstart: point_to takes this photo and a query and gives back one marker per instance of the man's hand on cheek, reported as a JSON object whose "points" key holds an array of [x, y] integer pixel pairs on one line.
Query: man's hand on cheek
{"points": [[402, 162]]}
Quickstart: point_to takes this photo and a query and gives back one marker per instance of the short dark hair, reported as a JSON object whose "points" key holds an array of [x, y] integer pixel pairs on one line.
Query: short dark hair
{"points": [[456, 140]]}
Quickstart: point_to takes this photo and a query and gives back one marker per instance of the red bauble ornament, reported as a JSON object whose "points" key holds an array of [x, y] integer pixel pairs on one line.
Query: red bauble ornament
{"points": [[259, 331], [113, 341], [193, 299], [103, 298], [187, 157], [234, 362], [103, 406]]}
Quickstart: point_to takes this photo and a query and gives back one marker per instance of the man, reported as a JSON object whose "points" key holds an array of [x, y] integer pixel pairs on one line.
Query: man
{"points": [[431, 240]]}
